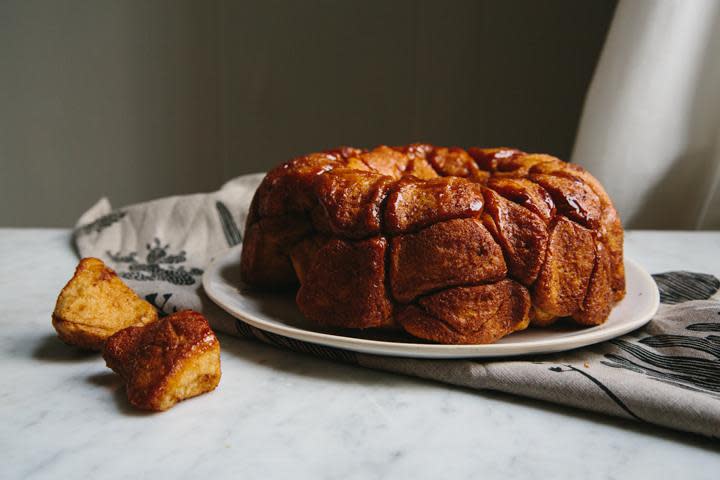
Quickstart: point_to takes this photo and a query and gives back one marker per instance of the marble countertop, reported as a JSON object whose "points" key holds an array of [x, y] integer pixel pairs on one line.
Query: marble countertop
{"points": [[277, 414]]}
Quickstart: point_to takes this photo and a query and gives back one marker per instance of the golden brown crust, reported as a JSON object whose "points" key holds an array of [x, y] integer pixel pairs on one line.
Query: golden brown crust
{"points": [[303, 254], [265, 257], [414, 204], [480, 314], [349, 202], [541, 318], [385, 161], [487, 158], [572, 197], [522, 235], [519, 165], [610, 228], [455, 162], [446, 254], [288, 188], [525, 193], [612, 232], [436, 219], [569, 262], [345, 285], [174, 358], [599, 296], [95, 304]]}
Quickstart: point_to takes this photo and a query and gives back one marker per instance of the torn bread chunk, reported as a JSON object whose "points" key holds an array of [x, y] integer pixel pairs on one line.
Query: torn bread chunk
{"points": [[175, 358], [95, 304]]}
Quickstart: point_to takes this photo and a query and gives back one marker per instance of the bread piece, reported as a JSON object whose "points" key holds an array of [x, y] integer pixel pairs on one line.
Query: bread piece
{"points": [[385, 161], [480, 314], [612, 233], [610, 228], [167, 361], [345, 285], [522, 235], [349, 202], [525, 193], [487, 158], [420, 168], [572, 197], [456, 162], [446, 254], [289, 187], [304, 253], [569, 262], [599, 296], [518, 166], [95, 304], [413, 204], [395, 162], [265, 259], [541, 318]]}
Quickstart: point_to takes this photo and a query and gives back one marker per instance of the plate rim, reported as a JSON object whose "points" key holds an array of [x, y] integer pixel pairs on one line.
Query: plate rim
{"points": [[587, 336]]}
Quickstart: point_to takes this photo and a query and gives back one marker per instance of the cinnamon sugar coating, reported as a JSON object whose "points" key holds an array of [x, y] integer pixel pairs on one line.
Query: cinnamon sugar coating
{"points": [[170, 360]]}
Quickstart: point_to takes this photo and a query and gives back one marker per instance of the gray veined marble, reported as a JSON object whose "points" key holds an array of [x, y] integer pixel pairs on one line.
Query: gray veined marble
{"points": [[277, 414]]}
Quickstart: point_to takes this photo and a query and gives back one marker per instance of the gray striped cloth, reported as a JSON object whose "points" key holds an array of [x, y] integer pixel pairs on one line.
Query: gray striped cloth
{"points": [[666, 373]]}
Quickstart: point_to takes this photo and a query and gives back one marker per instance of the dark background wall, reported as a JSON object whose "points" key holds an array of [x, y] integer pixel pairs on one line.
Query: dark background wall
{"points": [[136, 100]]}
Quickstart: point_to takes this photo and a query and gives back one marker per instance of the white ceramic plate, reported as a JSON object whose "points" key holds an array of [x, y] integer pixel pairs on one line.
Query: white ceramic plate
{"points": [[277, 313]]}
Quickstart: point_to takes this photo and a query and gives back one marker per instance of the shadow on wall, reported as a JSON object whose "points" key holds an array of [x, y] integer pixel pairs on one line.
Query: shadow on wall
{"points": [[137, 100]]}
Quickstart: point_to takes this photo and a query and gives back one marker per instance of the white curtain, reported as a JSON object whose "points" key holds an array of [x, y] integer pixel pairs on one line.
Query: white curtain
{"points": [[650, 130]]}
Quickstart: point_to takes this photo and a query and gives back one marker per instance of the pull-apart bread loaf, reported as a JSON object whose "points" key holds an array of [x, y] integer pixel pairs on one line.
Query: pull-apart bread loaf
{"points": [[452, 246]]}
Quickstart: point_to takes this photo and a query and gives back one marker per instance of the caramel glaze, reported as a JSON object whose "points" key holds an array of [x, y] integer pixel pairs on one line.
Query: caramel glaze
{"points": [[399, 237]]}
